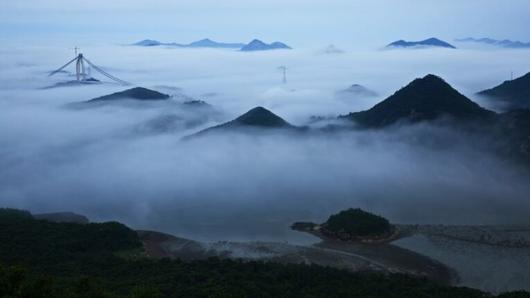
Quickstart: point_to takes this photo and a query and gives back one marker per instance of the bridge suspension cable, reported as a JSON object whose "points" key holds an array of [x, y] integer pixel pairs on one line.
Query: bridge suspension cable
{"points": [[80, 70], [106, 73], [62, 67]]}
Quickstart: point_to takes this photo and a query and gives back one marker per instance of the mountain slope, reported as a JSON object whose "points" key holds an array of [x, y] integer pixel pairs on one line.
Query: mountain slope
{"points": [[515, 93], [423, 99], [137, 93], [431, 42], [258, 45]]}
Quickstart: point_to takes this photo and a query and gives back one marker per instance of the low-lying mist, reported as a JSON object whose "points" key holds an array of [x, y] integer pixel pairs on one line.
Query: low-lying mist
{"points": [[108, 164]]}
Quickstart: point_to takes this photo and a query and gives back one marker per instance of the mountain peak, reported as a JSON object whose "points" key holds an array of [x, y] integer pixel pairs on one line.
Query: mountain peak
{"points": [[148, 43], [258, 45], [433, 39], [430, 42], [138, 93], [203, 42], [424, 98], [431, 80], [259, 116]]}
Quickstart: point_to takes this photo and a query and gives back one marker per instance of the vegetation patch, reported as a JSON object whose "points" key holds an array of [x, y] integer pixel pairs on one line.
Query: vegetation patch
{"points": [[357, 224]]}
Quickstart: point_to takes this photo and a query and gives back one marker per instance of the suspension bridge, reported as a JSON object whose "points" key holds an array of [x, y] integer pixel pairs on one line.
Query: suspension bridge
{"points": [[80, 70]]}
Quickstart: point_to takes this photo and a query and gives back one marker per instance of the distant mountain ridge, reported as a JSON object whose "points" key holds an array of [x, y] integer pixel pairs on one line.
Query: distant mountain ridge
{"points": [[154, 43], [254, 45], [426, 98], [148, 43], [514, 93], [506, 43], [203, 43], [208, 43], [431, 42], [258, 45]]}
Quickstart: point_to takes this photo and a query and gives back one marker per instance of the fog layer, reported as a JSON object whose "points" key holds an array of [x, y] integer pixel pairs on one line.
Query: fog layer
{"points": [[108, 163]]}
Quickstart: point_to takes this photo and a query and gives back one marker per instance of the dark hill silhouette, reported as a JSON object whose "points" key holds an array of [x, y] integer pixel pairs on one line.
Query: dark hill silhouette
{"points": [[137, 93], [423, 99], [260, 117], [431, 42], [258, 45], [514, 93], [148, 43], [256, 118]]}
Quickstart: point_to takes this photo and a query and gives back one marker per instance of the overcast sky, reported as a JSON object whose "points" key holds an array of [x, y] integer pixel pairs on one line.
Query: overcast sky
{"points": [[297, 22]]}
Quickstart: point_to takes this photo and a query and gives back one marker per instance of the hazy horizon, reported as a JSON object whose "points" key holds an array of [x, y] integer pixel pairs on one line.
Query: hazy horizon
{"points": [[302, 24]]}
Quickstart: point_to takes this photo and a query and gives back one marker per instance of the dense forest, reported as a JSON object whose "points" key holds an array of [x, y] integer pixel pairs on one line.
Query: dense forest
{"points": [[45, 259]]}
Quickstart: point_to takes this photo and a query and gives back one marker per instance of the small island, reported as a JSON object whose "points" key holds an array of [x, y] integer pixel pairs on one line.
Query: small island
{"points": [[354, 225]]}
